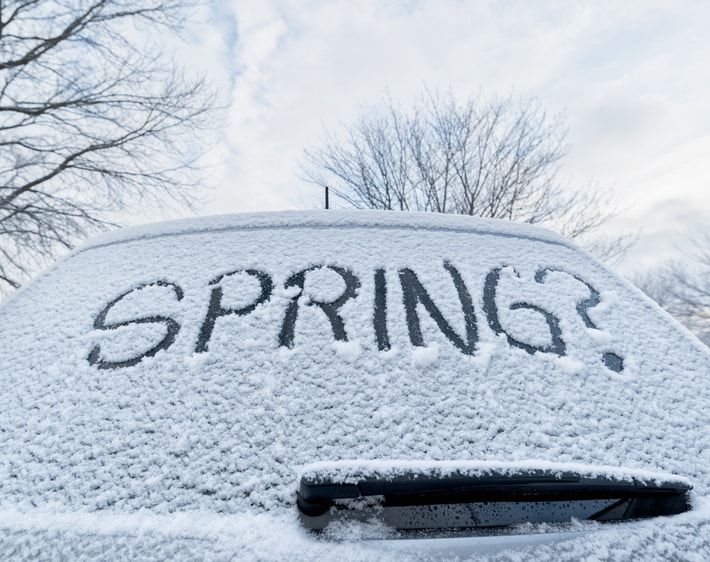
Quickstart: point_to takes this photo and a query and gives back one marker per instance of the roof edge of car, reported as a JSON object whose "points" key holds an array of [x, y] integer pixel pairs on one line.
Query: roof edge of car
{"points": [[326, 219]]}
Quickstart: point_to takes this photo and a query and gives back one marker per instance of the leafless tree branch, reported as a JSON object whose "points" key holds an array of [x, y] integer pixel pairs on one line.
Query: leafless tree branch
{"points": [[92, 119], [497, 159], [682, 288]]}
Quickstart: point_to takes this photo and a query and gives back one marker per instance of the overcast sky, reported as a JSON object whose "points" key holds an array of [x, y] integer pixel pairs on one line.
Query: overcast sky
{"points": [[632, 78]]}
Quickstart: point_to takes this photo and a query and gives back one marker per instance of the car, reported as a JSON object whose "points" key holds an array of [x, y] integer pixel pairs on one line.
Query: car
{"points": [[348, 385]]}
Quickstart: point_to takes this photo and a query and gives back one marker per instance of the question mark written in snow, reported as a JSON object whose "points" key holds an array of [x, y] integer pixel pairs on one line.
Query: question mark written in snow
{"points": [[612, 361]]}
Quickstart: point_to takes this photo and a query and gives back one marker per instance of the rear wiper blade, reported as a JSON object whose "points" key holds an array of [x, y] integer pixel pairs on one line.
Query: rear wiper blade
{"points": [[409, 498]]}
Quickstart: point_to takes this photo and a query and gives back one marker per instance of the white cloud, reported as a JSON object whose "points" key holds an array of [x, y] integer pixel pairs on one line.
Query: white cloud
{"points": [[631, 77]]}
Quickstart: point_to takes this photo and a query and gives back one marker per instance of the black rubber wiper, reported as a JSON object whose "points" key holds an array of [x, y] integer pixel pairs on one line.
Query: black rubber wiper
{"points": [[432, 499]]}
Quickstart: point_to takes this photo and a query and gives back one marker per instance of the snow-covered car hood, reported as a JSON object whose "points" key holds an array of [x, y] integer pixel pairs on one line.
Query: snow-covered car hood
{"points": [[187, 371]]}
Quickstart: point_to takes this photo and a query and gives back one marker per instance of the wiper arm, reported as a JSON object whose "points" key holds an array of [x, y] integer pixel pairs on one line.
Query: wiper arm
{"points": [[412, 497]]}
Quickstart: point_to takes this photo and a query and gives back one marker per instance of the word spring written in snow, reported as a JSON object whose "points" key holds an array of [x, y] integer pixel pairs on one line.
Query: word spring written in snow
{"points": [[414, 294]]}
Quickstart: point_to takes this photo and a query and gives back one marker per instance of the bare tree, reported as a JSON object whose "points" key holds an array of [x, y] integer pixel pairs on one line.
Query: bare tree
{"points": [[93, 118], [683, 288], [497, 159]]}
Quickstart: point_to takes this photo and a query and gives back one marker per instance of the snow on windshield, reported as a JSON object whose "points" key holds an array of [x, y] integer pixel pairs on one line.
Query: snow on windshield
{"points": [[199, 365]]}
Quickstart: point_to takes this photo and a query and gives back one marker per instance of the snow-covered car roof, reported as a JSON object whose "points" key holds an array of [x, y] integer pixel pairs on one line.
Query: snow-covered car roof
{"points": [[200, 366]]}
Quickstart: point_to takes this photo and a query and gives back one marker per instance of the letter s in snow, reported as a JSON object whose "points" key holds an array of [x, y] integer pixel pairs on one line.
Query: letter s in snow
{"points": [[171, 328]]}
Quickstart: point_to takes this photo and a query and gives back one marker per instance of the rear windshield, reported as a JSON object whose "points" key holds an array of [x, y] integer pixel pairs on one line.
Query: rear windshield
{"points": [[200, 370]]}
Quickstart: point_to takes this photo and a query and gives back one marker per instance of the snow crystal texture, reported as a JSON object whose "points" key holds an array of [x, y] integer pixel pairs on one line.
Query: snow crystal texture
{"points": [[197, 366]]}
